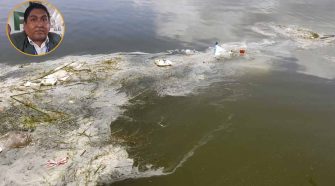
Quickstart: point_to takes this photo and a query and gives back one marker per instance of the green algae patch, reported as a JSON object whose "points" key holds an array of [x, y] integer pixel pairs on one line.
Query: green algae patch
{"points": [[314, 35], [112, 61], [111, 64], [32, 121]]}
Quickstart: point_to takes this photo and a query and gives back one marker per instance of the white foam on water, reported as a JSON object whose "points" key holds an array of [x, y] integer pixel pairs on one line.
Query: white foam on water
{"points": [[200, 69], [303, 37], [109, 163], [188, 73], [304, 47]]}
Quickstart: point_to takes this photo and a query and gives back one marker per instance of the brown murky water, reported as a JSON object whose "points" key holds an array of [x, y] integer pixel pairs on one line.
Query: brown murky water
{"points": [[272, 124], [273, 129]]}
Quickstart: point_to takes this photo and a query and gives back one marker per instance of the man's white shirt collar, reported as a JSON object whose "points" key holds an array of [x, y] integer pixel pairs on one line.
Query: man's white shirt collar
{"points": [[40, 50]]}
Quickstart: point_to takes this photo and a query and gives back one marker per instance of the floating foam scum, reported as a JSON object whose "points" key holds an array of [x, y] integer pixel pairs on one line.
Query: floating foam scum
{"points": [[92, 96], [179, 79], [303, 37], [95, 102], [86, 144]]}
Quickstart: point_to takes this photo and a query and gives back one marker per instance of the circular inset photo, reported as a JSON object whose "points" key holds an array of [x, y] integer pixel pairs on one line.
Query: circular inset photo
{"points": [[35, 28]]}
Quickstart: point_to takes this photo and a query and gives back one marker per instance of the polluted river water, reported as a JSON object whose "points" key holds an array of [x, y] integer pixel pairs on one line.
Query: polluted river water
{"points": [[262, 118]]}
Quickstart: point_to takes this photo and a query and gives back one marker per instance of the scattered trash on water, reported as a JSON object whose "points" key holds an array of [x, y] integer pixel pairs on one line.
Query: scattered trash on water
{"points": [[189, 52], [32, 84], [242, 51], [76, 66], [56, 75], [182, 51], [56, 163], [304, 37], [50, 81], [222, 52], [60, 75], [163, 62], [161, 122], [219, 51]]}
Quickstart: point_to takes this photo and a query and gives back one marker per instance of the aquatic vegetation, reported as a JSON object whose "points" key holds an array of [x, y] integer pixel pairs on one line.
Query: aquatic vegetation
{"points": [[110, 64], [314, 35], [80, 116], [304, 37], [112, 61], [32, 121]]}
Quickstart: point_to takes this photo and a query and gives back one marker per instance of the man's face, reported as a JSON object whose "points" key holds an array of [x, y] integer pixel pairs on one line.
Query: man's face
{"points": [[37, 26]]}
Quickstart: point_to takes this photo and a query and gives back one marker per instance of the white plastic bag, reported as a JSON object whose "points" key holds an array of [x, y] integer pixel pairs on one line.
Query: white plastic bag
{"points": [[163, 62]]}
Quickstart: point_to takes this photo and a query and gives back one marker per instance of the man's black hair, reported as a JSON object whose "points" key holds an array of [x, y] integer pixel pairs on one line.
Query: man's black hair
{"points": [[32, 6]]}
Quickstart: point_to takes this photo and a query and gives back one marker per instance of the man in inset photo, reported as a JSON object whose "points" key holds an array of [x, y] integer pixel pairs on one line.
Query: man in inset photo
{"points": [[36, 38]]}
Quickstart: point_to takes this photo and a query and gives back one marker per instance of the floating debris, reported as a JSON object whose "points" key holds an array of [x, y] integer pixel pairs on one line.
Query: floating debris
{"points": [[56, 163], [76, 66], [304, 37], [32, 84], [163, 62], [220, 51], [189, 52], [50, 81], [314, 35]]}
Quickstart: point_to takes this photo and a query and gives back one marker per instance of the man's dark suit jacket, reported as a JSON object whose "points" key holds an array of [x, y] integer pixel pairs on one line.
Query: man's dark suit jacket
{"points": [[20, 41]]}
